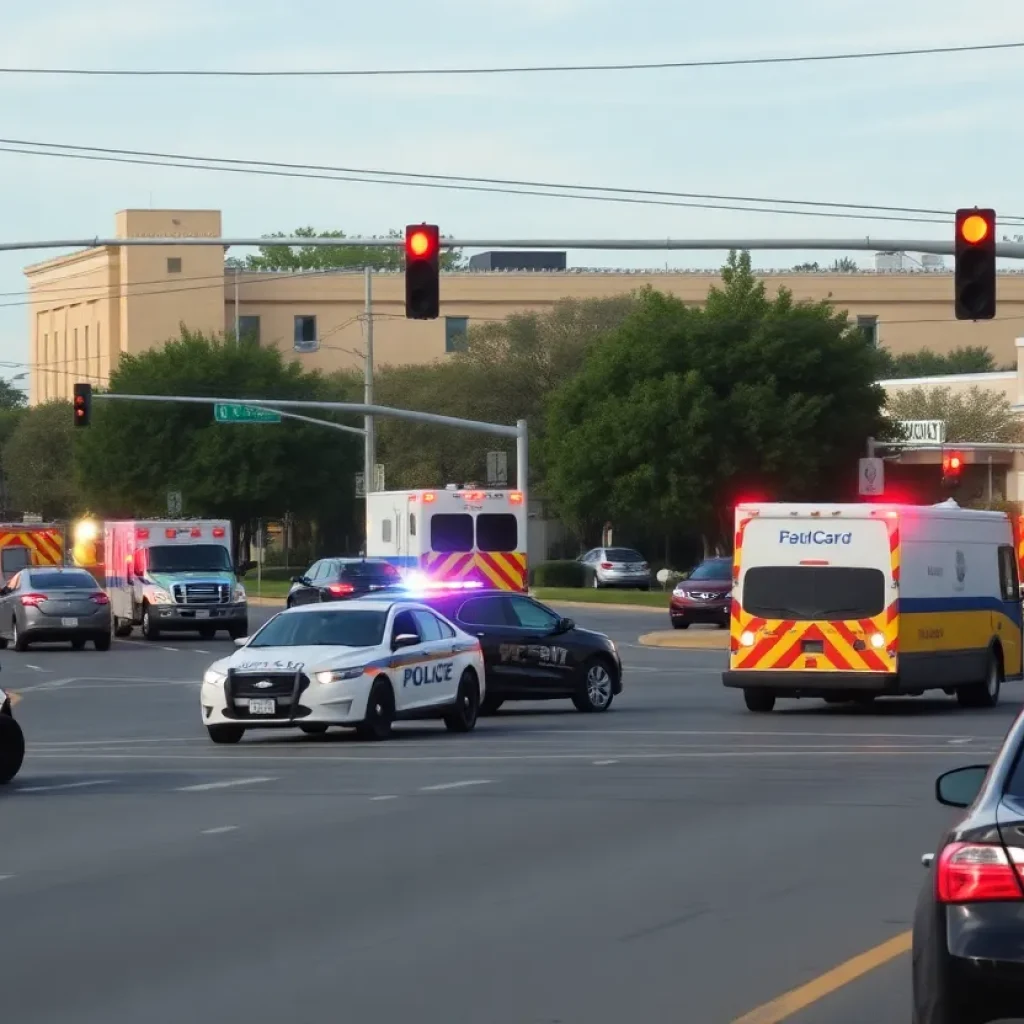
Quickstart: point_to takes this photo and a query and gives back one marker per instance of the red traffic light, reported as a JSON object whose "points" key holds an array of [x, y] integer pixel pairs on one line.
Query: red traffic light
{"points": [[421, 242], [82, 404], [422, 271], [952, 464]]}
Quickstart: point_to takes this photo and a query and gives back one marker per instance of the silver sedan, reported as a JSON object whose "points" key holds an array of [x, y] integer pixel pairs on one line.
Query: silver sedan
{"points": [[50, 604]]}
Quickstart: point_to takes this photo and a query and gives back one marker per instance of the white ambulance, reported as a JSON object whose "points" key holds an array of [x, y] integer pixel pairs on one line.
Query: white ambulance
{"points": [[851, 602], [174, 576]]}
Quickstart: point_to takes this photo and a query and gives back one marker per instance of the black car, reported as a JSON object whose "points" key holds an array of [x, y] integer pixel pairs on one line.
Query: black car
{"points": [[532, 652], [12, 742], [337, 579], [968, 938]]}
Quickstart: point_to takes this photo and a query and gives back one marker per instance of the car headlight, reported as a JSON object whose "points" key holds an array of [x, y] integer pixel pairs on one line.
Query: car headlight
{"points": [[156, 595], [213, 678], [727, 596], [679, 591], [336, 675], [239, 592]]}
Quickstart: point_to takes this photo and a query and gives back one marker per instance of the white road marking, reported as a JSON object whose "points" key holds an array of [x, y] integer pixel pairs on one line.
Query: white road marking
{"points": [[605, 762], [199, 650], [116, 742], [220, 830], [455, 785], [4, 878], [64, 785], [227, 784], [388, 797], [173, 650], [35, 668]]}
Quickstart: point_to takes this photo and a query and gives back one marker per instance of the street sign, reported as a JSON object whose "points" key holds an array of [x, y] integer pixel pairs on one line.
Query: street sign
{"points": [[360, 485], [497, 469], [224, 412], [871, 477], [174, 503], [924, 431]]}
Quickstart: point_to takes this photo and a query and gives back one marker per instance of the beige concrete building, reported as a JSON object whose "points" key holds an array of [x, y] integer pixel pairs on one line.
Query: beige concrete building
{"points": [[88, 308]]}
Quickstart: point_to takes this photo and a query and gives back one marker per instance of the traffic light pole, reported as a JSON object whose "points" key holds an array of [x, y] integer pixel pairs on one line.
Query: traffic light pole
{"points": [[370, 446]]}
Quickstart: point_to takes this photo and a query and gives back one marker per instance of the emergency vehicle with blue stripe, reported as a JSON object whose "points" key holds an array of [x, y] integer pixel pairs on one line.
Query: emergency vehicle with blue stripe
{"points": [[355, 664], [856, 601], [451, 538]]}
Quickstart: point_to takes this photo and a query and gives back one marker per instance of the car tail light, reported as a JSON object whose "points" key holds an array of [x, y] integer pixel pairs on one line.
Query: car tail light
{"points": [[341, 589], [33, 600], [606, 565], [99, 599], [516, 497], [142, 533], [218, 531], [979, 872]]}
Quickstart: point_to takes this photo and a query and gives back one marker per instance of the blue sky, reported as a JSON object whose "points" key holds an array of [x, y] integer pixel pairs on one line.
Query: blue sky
{"points": [[938, 131]]}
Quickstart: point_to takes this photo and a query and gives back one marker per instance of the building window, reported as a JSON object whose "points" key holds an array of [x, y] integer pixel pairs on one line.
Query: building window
{"points": [[455, 329], [173, 264], [249, 329], [868, 326], [305, 334]]}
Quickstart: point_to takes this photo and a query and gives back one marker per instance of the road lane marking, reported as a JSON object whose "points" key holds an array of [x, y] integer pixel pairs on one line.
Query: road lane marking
{"points": [[388, 797], [64, 785], [173, 650], [227, 784], [220, 830], [35, 668], [797, 999], [455, 785], [199, 650], [605, 762], [3, 878]]}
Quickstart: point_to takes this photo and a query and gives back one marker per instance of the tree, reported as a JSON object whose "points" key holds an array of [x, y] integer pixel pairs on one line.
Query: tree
{"points": [[38, 462], [505, 373], [926, 363], [806, 268], [331, 257], [134, 453], [975, 415], [681, 411], [844, 265], [11, 397]]}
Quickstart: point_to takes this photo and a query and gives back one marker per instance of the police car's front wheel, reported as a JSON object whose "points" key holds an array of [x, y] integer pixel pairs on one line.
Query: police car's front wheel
{"points": [[380, 713], [466, 709], [226, 733]]}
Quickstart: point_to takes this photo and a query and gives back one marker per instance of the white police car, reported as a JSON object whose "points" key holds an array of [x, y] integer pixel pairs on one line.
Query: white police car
{"points": [[359, 664], [12, 741]]}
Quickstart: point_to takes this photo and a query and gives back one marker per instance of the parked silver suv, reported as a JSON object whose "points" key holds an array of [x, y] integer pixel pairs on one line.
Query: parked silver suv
{"points": [[617, 567]]}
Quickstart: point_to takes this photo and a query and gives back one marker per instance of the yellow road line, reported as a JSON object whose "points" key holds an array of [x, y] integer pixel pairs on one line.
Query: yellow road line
{"points": [[15, 697], [783, 1007]]}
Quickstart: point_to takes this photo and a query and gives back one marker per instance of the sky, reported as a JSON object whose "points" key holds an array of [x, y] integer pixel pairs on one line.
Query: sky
{"points": [[936, 131]]}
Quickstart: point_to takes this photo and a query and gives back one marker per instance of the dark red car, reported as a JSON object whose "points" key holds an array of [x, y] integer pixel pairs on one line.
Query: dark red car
{"points": [[705, 596]]}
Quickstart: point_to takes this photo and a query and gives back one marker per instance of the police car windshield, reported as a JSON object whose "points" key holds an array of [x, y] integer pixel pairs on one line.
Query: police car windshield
{"points": [[353, 627], [189, 558]]}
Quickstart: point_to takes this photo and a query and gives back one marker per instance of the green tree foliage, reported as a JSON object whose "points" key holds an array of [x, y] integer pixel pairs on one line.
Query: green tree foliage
{"points": [[682, 411], [332, 257], [972, 415], [11, 396], [505, 373], [135, 452], [38, 461], [926, 363]]}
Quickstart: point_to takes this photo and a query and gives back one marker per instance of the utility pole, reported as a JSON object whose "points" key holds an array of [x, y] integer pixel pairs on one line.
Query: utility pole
{"points": [[370, 445], [238, 319]]}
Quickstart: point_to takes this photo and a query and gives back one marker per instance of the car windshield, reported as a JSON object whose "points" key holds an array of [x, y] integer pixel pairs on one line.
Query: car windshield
{"points": [[62, 581], [623, 555], [189, 558], [351, 627], [713, 569]]}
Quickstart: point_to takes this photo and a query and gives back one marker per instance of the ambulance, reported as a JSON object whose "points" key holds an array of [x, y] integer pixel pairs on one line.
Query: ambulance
{"points": [[26, 544], [851, 602], [171, 576], [455, 537]]}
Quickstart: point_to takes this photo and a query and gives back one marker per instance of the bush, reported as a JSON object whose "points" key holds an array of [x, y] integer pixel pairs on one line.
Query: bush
{"points": [[563, 573]]}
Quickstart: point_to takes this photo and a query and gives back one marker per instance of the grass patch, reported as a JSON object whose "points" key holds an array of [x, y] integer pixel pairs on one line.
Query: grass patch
{"points": [[642, 598], [265, 588]]}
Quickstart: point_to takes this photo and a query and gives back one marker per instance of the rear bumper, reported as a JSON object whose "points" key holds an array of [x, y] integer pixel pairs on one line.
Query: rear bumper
{"points": [[811, 683], [50, 627], [176, 617], [642, 579]]}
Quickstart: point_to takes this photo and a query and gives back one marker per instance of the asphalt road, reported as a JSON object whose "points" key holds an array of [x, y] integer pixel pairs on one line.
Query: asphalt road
{"points": [[676, 860]]}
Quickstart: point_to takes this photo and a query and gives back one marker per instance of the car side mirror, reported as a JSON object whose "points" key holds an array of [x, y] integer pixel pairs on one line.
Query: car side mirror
{"points": [[404, 640], [564, 625], [241, 641], [298, 579], [960, 787]]}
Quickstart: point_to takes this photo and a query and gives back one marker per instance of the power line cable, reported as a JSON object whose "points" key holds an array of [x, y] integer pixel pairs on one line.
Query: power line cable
{"points": [[456, 179], [509, 70]]}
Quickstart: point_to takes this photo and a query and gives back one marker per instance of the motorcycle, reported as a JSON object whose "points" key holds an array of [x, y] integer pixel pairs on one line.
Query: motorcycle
{"points": [[12, 741]]}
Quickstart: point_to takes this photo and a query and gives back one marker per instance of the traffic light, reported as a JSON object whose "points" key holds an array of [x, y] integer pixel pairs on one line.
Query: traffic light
{"points": [[422, 272], [83, 404], [952, 465], [974, 270]]}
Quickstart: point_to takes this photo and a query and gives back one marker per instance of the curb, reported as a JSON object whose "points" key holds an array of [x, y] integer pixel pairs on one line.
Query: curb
{"points": [[599, 605], [703, 640]]}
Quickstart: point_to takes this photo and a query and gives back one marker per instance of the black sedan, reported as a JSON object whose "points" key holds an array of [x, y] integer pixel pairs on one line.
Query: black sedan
{"points": [[968, 945], [338, 579], [12, 742], [532, 652]]}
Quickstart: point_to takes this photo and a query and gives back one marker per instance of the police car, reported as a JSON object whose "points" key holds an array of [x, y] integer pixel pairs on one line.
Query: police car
{"points": [[12, 741], [361, 665]]}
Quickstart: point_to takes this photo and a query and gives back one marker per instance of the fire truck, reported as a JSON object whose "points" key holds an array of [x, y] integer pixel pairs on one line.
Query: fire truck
{"points": [[26, 544]]}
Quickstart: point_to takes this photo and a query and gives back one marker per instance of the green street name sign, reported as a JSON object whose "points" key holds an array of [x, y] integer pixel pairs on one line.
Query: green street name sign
{"points": [[224, 412]]}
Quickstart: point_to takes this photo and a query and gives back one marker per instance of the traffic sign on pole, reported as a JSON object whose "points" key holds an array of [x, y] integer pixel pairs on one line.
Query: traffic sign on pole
{"points": [[871, 477], [231, 413]]}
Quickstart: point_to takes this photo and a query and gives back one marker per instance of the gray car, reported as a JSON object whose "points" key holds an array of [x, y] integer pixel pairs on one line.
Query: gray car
{"points": [[616, 567], [52, 604]]}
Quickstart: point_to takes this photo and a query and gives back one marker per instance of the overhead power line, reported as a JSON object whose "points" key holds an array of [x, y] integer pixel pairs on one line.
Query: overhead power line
{"points": [[506, 186], [729, 62]]}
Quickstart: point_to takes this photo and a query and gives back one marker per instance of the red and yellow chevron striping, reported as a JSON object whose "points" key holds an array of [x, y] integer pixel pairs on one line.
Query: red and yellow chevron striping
{"points": [[46, 544], [505, 570]]}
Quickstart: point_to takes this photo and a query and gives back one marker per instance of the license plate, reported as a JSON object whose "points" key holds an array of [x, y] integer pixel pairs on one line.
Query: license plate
{"points": [[69, 622], [202, 615], [262, 707]]}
